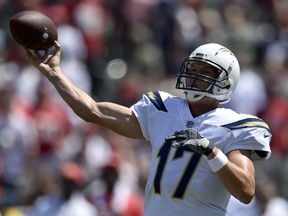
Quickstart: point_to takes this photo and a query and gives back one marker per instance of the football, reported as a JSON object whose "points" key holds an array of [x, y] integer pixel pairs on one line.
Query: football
{"points": [[33, 30]]}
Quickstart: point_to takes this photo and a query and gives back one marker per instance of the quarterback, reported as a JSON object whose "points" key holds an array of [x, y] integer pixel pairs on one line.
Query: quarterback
{"points": [[201, 153]]}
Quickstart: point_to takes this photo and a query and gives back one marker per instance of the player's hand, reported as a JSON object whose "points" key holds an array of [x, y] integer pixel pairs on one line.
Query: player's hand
{"points": [[47, 62], [192, 139]]}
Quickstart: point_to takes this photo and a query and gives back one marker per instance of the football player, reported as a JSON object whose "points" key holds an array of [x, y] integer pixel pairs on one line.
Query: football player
{"points": [[201, 153]]}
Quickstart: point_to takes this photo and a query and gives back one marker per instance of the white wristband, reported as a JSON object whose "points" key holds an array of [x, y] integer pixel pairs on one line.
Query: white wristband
{"points": [[218, 162]]}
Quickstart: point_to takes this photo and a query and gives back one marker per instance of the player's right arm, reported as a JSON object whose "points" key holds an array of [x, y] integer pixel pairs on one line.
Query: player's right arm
{"points": [[112, 116]]}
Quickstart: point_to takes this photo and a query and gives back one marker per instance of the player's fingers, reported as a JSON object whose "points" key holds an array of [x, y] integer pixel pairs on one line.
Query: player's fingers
{"points": [[58, 49], [178, 137], [170, 138], [190, 142], [57, 45], [177, 144], [46, 53]]}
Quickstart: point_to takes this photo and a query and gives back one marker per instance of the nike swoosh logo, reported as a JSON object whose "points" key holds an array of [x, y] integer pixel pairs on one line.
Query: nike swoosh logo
{"points": [[266, 135]]}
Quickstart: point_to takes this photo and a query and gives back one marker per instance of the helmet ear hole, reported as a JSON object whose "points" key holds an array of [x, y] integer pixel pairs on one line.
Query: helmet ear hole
{"points": [[222, 76], [223, 84], [230, 83]]}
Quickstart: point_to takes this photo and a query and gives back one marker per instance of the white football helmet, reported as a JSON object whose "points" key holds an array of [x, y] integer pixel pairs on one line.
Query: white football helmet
{"points": [[221, 88]]}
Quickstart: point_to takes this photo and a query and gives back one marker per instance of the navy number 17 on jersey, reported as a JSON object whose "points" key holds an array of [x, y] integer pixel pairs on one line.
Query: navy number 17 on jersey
{"points": [[188, 169]]}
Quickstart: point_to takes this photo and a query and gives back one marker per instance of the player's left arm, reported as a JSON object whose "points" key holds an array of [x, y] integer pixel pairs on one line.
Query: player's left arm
{"points": [[236, 169], [238, 175]]}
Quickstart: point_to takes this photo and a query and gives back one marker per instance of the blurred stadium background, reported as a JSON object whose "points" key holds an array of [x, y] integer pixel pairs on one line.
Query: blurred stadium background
{"points": [[116, 50]]}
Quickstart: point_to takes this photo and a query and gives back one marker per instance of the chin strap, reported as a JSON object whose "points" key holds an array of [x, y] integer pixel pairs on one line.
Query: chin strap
{"points": [[193, 98]]}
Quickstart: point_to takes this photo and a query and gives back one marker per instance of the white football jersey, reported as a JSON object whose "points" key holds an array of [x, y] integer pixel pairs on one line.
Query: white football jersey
{"points": [[181, 182]]}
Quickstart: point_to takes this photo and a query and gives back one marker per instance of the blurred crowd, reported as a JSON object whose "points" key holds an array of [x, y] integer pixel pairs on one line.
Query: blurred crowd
{"points": [[53, 163]]}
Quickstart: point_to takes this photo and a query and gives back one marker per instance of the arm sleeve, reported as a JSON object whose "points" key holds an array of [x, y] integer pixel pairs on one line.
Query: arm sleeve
{"points": [[255, 139]]}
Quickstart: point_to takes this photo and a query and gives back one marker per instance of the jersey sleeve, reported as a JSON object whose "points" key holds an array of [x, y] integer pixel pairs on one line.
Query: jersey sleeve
{"points": [[141, 111], [149, 104], [251, 134]]}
